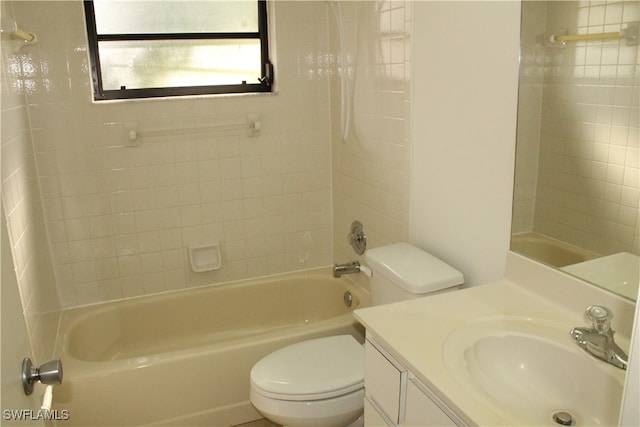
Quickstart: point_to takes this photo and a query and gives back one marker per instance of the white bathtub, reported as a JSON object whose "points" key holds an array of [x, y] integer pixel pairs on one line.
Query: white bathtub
{"points": [[548, 250], [184, 358]]}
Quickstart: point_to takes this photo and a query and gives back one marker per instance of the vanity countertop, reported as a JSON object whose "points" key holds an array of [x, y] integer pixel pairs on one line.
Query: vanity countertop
{"points": [[417, 330]]}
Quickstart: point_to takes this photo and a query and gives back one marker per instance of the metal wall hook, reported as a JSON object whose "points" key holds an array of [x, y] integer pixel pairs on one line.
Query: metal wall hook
{"points": [[48, 373]]}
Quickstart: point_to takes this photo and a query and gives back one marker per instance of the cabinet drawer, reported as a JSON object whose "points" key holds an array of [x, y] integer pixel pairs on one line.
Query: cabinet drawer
{"points": [[383, 382]]}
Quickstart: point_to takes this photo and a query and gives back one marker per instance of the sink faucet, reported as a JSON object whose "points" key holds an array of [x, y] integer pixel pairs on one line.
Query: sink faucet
{"points": [[350, 268], [598, 340]]}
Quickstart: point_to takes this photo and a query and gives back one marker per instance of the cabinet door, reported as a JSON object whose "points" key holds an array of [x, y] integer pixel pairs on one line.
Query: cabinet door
{"points": [[383, 382], [373, 418], [421, 411]]}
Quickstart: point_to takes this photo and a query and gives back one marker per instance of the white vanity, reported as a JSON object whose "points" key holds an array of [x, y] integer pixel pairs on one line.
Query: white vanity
{"points": [[396, 396], [497, 354]]}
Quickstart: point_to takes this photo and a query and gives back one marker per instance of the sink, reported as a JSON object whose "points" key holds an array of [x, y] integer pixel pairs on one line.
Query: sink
{"points": [[530, 370]]}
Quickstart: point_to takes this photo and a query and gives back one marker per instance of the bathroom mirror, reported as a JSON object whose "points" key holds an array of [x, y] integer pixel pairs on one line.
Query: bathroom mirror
{"points": [[577, 181]]}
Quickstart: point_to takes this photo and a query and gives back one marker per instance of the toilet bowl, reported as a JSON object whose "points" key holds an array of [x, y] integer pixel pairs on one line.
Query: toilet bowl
{"points": [[318, 382]]}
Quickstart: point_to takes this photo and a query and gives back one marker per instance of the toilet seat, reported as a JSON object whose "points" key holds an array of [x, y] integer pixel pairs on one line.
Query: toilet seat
{"points": [[335, 412], [316, 369]]}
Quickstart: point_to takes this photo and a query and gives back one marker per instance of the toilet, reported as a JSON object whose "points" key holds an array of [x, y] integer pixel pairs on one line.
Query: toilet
{"points": [[320, 382]]}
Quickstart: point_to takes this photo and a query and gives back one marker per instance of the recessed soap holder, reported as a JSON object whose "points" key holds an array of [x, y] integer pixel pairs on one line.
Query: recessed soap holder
{"points": [[205, 257]]}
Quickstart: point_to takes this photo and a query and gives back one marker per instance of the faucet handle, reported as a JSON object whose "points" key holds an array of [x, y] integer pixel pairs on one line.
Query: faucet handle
{"points": [[357, 238], [600, 317]]}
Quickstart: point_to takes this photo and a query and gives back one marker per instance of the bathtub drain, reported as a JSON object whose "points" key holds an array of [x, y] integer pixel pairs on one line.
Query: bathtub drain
{"points": [[563, 418]]}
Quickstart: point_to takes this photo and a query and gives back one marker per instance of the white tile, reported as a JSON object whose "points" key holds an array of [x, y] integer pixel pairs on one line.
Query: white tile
{"points": [[173, 259], [146, 220], [149, 241], [107, 269], [83, 271]]}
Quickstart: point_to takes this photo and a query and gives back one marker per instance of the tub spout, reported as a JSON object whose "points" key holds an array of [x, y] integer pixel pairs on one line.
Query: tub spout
{"points": [[350, 268]]}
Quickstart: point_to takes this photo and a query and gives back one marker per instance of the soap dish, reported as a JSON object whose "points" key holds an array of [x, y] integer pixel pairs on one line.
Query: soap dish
{"points": [[205, 257]]}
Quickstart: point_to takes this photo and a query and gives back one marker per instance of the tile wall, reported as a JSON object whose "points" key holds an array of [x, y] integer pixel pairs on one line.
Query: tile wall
{"points": [[22, 203], [119, 219], [589, 182], [371, 169], [597, 137]]}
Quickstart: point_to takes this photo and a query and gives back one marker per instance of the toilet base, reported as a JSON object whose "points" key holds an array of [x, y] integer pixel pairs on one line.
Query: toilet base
{"points": [[339, 411]]}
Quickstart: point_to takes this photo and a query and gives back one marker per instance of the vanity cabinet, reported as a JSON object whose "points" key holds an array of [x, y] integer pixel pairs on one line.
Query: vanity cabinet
{"points": [[421, 410], [396, 397]]}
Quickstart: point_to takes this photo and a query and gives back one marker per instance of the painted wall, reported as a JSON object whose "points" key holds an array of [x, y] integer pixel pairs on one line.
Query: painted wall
{"points": [[532, 65], [630, 411], [463, 133]]}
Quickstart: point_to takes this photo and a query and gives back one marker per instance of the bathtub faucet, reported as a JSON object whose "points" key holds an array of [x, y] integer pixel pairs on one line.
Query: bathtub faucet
{"points": [[350, 268]]}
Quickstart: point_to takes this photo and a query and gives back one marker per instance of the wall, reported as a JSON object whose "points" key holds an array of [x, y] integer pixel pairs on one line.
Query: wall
{"points": [[21, 205], [588, 178], [119, 219], [630, 412], [371, 167], [15, 340], [532, 63], [464, 112]]}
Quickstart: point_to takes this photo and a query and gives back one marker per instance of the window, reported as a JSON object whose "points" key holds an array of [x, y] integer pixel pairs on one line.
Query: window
{"points": [[142, 49]]}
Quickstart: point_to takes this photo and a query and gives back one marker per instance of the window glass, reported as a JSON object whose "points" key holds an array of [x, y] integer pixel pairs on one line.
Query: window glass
{"points": [[141, 49], [178, 63], [146, 17]]}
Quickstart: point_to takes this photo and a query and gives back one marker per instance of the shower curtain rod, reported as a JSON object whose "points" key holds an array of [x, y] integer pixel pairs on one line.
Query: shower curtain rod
{"points": [[630, 34]]}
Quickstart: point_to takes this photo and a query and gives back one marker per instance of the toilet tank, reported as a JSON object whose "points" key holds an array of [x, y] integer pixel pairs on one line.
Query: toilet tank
{"points": [[402, 272]]}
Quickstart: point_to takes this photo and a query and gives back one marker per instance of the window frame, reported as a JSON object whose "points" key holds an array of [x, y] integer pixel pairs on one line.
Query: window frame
{"points": [[263, 84]]}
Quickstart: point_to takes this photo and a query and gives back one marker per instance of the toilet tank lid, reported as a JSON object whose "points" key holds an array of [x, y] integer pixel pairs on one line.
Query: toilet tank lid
{"points": [[412, 268]]}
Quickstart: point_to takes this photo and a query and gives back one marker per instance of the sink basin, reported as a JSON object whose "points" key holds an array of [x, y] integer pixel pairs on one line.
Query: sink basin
{"points": [[527, 370]]}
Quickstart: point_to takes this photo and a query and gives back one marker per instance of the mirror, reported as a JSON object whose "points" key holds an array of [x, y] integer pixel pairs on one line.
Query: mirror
{"points": [[577, 181]]}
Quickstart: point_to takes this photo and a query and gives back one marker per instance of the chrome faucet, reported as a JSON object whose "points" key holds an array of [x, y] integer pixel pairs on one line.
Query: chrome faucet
{"points": [[350, 268], [598, 340]]}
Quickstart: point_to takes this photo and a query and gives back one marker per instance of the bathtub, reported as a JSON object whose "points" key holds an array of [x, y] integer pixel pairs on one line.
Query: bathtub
{"points": [[183, 358], [549, 250]]}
